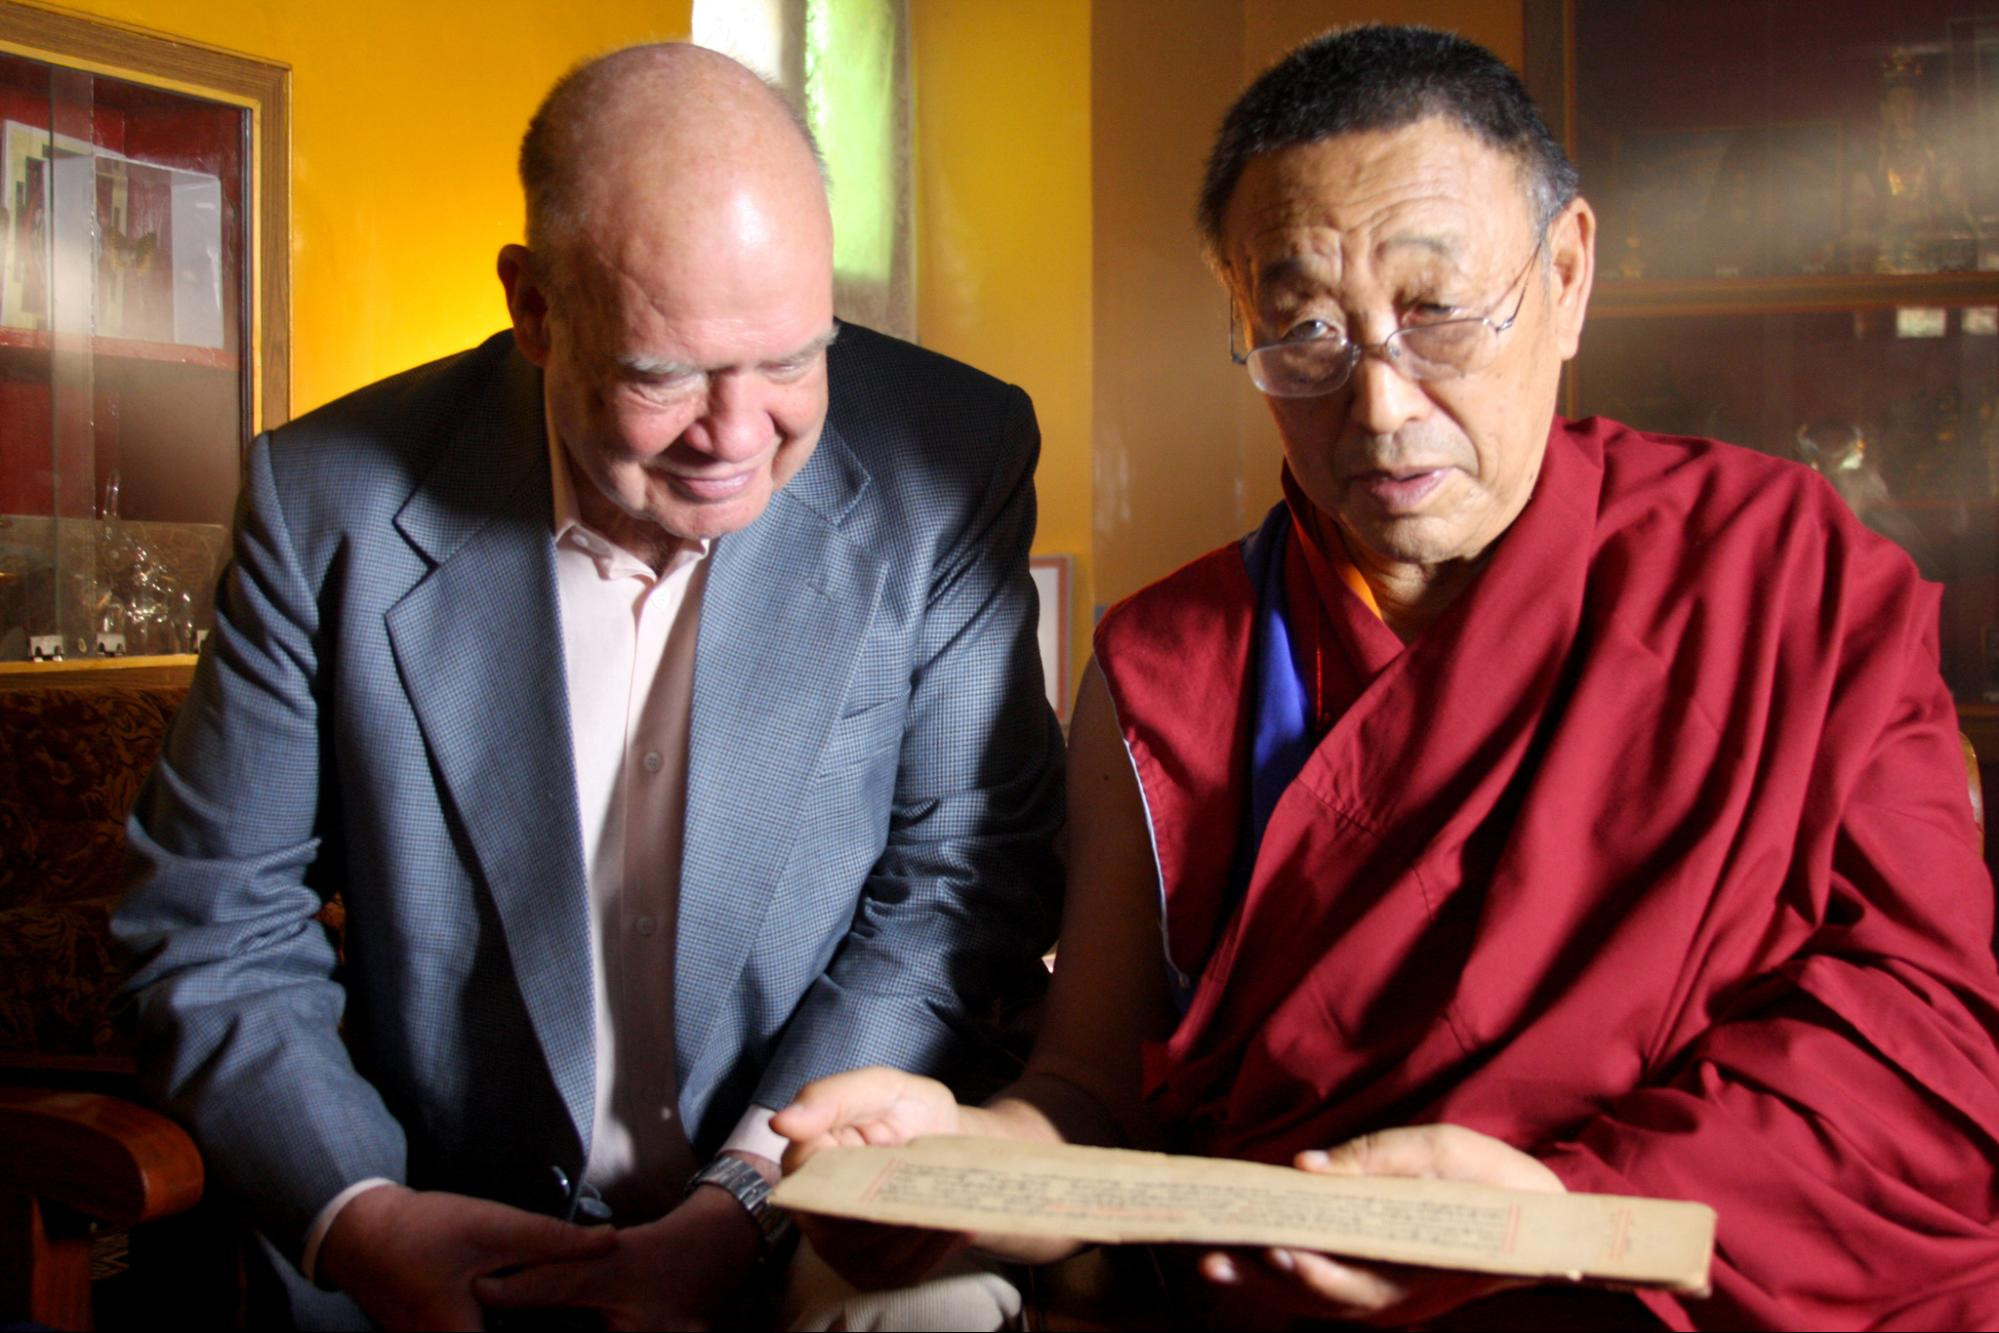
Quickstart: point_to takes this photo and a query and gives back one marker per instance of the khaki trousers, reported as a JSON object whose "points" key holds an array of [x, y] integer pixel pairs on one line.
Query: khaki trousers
{"points": [[961, 1294]]}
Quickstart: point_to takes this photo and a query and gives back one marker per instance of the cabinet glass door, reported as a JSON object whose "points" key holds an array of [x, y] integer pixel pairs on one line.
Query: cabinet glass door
{"points": [[125, 387], [1799, 252]]}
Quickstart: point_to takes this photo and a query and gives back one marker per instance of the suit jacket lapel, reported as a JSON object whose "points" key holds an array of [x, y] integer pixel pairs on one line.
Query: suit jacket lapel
{"points": [[787, 609], [478, 643]]}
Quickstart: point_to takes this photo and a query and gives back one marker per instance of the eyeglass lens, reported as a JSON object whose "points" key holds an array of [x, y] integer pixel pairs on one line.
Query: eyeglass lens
{"points": [[1444, 350], [1420, 351]]}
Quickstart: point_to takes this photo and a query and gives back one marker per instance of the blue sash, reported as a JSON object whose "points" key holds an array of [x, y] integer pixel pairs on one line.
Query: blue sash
{"points": [[1280, 718], [1281, 724]]}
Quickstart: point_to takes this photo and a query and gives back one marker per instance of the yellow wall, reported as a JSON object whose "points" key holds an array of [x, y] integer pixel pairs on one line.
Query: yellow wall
{"points": [[1058, 146], [1169, 470], [405, 118], [1002, 152]]}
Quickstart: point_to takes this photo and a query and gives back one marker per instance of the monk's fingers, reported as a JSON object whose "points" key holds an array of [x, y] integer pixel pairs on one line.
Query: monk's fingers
{"points": [[801, 1152], [824, 1105], [880, 1106], [863, 1106], [1322, 1286], [1394, 1294], [1267, 1289], [1325, 1282], [1445, 1152], [1412, 1150]]}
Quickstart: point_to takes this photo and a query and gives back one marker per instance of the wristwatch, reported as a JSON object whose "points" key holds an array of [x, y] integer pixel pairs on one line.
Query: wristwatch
{"points": [[752, 1191]]}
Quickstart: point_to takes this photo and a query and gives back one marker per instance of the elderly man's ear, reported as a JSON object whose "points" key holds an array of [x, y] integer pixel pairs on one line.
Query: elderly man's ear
{"points": [[1572, 254], [527, 302]]}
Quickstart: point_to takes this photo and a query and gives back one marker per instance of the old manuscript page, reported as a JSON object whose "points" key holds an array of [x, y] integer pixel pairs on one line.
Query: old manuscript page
{"points": [[1111, 1195]]}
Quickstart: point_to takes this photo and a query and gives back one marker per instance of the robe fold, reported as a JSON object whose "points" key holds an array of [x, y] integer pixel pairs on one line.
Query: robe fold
{"points": [[1651, 856]]}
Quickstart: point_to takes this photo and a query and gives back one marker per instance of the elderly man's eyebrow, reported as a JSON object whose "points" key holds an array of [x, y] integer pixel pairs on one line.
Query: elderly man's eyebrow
{"points": [[652, 368], [1444, 246], [812, 348], [1293, 268]]}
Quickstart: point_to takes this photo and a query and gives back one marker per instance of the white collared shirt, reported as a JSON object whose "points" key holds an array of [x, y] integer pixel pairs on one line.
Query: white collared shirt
{"points": [[628, 637]]}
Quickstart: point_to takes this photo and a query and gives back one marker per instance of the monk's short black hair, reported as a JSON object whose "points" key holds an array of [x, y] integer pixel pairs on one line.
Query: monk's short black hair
{"points": [[1382, 77]]}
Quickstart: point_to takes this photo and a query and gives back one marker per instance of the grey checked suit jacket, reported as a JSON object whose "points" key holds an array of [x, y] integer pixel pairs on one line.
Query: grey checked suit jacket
{"points": [[873, 787]]}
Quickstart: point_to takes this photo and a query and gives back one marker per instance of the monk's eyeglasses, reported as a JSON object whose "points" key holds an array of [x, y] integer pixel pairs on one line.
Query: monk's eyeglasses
{"points": [[1315, 364]]}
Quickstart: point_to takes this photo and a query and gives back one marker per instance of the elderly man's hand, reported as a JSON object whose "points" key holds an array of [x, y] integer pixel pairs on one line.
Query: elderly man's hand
{"points": [[681, 1272], [409, 1258], [1299, 1282], [882, 1107]]}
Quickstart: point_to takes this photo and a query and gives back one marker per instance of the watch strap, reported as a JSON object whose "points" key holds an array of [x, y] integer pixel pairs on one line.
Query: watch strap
{"points": [[752, 1191]]}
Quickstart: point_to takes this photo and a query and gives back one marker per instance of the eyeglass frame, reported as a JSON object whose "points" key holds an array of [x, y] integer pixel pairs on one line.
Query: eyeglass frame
{"points": [[1356, 352]]}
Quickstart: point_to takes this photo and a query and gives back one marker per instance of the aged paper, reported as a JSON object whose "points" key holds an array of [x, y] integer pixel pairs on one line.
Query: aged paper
{"points": [[1111, 1195]]}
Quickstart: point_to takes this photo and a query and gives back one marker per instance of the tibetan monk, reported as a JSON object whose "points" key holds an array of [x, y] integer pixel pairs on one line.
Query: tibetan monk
{"points": [[1534, 802]]}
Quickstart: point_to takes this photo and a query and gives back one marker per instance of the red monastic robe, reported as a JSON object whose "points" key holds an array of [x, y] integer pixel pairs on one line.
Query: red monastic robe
{"points": [[1652, 856]]}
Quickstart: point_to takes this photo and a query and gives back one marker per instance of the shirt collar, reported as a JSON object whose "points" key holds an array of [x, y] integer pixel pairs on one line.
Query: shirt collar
{"points": [[566, 520]]}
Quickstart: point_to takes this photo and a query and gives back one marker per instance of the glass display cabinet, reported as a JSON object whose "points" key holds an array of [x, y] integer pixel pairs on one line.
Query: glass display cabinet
{"points": [[1799, 252], [142, 317]]}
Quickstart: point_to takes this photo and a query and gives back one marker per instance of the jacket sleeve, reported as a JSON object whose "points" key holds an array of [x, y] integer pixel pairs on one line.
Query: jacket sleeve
{"points": [[239, 1009], [954, 915], [1841, 1112]]}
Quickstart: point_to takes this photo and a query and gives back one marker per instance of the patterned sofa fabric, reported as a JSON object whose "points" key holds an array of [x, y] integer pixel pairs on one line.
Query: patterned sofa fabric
{"points": [[71, 762]]}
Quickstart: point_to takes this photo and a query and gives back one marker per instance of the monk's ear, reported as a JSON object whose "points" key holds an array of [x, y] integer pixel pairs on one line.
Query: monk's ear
{"points": [[1572, 259], [527, 302]]}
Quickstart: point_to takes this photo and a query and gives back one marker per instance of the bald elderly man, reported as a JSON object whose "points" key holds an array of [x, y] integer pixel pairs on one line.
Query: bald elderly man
{"points": [[657, 685]]}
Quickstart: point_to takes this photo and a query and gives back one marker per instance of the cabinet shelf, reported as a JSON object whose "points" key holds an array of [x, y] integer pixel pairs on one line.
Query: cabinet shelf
{"points": [[40, 342], [1642, 298], [1936, 504]]}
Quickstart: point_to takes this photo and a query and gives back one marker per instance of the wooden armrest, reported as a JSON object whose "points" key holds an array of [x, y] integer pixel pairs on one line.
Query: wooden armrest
{"points": [[105, 1157]]}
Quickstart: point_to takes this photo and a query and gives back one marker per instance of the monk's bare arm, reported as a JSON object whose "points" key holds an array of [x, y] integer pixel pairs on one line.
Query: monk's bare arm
{"points": [[1109, 992], [1107, 997]]}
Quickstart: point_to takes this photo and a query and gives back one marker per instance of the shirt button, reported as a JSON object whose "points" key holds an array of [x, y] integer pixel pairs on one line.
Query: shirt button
{"points": [[645, 925], [652, 761]]}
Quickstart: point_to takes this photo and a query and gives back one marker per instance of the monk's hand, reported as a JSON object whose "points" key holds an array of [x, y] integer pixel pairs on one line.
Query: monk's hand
{"points": [[876, 1106], [1291, 1282], [410, 1258], [880, 1107], [685, 1271]]}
